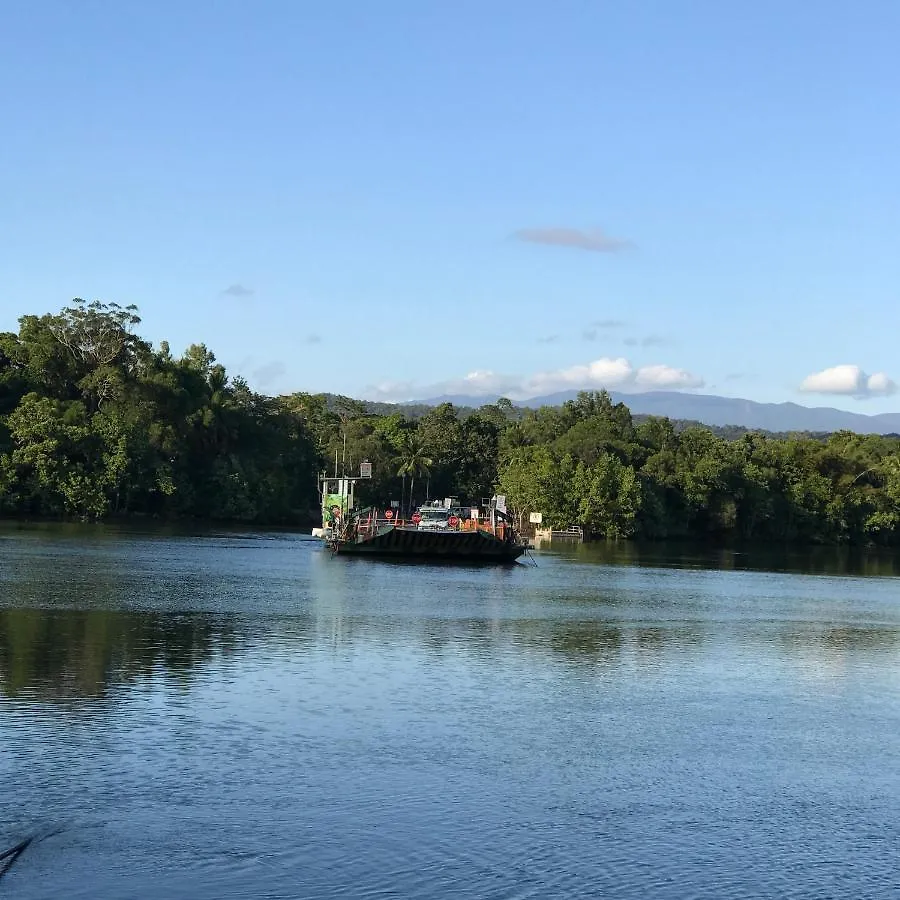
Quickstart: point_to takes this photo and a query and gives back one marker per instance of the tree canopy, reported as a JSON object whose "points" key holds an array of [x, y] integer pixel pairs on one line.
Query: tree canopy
{"points": [[96, 422]]}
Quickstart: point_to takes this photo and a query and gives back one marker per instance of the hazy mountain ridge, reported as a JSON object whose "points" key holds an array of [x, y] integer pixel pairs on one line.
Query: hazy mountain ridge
{"points": [[718, 411]]}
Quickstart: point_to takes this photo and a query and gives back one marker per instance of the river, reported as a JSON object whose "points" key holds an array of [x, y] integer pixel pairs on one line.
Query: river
{"points": [[239, 715]]}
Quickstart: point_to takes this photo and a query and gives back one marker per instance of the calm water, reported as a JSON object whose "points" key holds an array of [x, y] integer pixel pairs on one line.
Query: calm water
{"points": [[241, 716]]}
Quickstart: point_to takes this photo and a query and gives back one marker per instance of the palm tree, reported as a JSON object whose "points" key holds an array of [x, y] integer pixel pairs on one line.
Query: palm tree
{"points": [[412, 461]]}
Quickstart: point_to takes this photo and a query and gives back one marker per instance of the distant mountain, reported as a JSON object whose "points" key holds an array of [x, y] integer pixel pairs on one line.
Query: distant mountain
{"points": [[720, 411], [465, 400]]}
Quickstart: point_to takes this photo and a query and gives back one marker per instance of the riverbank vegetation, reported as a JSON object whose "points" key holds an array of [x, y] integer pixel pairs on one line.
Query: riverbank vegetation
{"points": [[94, 422], [97, 423]]}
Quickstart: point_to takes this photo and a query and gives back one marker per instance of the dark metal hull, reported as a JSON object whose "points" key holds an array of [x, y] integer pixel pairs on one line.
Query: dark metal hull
{"points": [[412, 543]]}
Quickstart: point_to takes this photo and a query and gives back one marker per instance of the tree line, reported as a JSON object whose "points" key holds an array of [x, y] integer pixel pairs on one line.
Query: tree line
{"points": [[95, 422]]}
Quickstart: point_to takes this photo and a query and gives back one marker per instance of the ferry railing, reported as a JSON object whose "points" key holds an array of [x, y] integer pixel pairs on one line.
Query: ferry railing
{"points": [[369, 526], [366, 526]]}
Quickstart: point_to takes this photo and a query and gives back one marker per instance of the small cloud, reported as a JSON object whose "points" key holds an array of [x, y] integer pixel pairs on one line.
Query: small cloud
{"points": [[850, 381], [313, 339], [880, 384], [735, 376], [593, 240], [483, 382], [666, 377], [651, 340], [549, 339], [238, 290], [593, 331], [267, 373], [397, 392]]}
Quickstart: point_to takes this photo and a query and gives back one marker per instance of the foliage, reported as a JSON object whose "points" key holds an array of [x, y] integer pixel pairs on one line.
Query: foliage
{"points": [[412, 461], [95, 422], [587, 464]]}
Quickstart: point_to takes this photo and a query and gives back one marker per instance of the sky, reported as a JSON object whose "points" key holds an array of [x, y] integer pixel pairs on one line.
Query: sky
{"points": [[397, 200]]}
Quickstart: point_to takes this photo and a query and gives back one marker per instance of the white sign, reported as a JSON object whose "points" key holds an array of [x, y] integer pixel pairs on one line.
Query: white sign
{"points": [[473, 512], [501, 502], [395, 504], [536, 518], [365, 470]]}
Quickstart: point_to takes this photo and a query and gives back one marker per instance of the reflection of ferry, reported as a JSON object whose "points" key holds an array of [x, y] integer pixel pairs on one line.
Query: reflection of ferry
{"points": [[437, 531]]}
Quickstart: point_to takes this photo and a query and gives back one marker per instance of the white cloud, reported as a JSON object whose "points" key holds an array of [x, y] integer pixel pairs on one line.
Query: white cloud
{"points": [[666, 377], [391, 391], [604, 372], [475, 384], [601, 373], [879, 383], [483, 382], [850, 381]]}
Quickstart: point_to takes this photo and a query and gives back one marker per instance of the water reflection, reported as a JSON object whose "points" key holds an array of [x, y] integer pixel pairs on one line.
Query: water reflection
{"points": [[759, 558], [50, 654], [244, 716], [64, 655], [594, 641], [89, 610], [797, 637]]}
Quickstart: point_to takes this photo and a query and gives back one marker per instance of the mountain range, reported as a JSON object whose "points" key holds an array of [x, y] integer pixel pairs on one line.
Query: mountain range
{"points": [[719, 411]]}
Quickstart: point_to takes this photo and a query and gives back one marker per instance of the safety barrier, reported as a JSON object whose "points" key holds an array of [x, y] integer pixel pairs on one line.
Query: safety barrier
{"points": [[370, 525]]}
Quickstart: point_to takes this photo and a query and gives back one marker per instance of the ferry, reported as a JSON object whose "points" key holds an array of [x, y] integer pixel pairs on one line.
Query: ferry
{"points": [[439, 530]]}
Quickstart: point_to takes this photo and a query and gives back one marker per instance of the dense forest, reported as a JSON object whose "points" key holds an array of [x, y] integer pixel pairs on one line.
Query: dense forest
{"points": [[95, 423]]}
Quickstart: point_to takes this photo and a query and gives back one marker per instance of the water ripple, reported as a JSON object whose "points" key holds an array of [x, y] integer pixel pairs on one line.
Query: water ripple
{"points": [[224, 717]]}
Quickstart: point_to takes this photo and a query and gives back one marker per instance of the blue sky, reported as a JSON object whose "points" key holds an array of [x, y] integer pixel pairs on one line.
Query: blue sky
{"points": [[382, 199]]}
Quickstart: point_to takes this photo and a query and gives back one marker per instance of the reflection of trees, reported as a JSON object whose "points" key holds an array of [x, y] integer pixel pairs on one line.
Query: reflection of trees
{"points": [[55, 654], [849, 637], [829, 640], [588, 641], [598, 641], [61, 654], [821, 650], [826, 560]]}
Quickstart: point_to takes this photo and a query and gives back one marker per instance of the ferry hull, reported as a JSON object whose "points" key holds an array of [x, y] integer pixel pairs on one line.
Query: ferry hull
{"points": [[413, 543]]}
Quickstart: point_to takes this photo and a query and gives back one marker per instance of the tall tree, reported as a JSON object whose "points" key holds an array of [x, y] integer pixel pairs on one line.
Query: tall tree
{"points": [[413, 462]]}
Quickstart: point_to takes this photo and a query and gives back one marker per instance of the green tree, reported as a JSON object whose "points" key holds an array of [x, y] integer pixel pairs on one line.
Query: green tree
{"points": [[609, 497], [94, 422], [413, 462]]}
